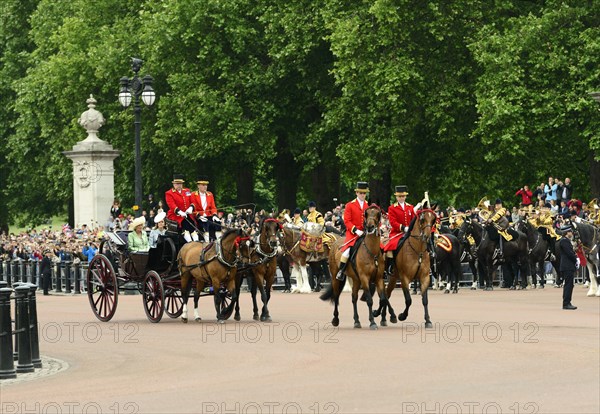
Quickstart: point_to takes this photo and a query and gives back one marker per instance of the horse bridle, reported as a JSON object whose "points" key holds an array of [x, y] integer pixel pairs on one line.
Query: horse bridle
{"points": [[422, 227], [376, 230]]}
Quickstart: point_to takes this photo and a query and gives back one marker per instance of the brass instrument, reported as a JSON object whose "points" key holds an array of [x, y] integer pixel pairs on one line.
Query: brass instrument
{"points": [[483, 206], [592, 209]]}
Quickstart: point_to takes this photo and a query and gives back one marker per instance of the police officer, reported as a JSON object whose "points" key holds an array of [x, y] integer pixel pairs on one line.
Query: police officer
{"points": [[569, 263]]}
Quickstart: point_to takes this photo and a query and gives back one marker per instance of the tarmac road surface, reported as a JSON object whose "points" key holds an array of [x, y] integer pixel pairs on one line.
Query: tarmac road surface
{"points": [[500, 351]]}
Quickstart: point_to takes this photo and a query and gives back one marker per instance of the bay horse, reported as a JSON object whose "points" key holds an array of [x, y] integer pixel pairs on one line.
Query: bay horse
{"points": [[412, 262], [210, 264], [538, 253], [365, 266], [589, 235], [261, 267]]}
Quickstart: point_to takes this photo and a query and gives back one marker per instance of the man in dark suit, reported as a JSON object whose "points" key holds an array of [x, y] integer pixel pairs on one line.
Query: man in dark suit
{"points": [[46, 271], [569, 263]]}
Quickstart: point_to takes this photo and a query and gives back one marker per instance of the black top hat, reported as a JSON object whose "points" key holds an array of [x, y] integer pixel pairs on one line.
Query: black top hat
{"points": [[362, 187], [498, 201], [202, 179], [297, 211], [401, 190], [178, 178], [312, 204]]}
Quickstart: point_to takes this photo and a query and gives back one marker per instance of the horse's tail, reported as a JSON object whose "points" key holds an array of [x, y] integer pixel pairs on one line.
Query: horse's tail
{"points": [[329, 294]]}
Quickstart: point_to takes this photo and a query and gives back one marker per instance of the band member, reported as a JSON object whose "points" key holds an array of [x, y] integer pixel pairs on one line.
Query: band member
{"points": [[297, 219], [569, 263], [400, 215], [313, 215], [205, 209], [501, 223], [179, 201], [354, 221]]}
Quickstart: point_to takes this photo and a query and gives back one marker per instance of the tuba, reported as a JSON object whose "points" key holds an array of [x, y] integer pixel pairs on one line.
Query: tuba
{"points": [[483, 207], [592, 209]]}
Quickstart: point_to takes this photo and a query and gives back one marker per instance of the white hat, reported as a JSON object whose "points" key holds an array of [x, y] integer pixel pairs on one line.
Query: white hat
{"points": [[160, 217], [140, 221]]}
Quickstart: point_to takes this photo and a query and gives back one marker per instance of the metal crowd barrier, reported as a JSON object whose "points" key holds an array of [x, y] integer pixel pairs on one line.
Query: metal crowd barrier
{"points": [[66, 277]]}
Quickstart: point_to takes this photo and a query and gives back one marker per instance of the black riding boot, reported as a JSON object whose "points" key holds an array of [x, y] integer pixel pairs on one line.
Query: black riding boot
{"points": [[389, 265], [340, 274], [500, 256]]}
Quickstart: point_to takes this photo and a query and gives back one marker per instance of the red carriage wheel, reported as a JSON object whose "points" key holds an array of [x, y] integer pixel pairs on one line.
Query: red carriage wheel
{"points": [[102, 288], [153, 295], [173, 303]]}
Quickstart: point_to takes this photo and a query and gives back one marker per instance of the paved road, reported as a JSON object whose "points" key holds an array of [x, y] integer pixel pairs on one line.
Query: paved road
{"points": [[500, 351]]}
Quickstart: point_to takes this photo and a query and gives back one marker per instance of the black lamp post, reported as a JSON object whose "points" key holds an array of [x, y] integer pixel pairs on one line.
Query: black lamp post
{"points": [[134, 88]]}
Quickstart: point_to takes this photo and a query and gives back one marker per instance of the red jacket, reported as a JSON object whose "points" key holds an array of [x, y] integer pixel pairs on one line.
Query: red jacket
{"points": [[399, 218], [354, 218], [177, 201], [211, 208], [525, 196]]}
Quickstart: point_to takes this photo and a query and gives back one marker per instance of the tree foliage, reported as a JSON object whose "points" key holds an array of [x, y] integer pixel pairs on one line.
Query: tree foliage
{"points": [[281, 102]]}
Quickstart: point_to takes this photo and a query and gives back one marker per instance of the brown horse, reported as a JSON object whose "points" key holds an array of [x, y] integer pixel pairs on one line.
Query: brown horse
{"points": [[261, 267], [364, 268], [412, 262], [211, 264]]}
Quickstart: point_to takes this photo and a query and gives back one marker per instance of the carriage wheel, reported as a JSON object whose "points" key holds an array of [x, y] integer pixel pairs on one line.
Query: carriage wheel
{"points": [[153, 295], [173, 303], [227, 305], [169, 255], [102, 288]]}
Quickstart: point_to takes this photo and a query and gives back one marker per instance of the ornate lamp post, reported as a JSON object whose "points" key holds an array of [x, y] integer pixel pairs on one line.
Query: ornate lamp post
{"points": [[133, 89]]}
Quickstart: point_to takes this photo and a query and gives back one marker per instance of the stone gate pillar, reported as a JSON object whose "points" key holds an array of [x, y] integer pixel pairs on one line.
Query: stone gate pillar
{"points": [[93, 171]]}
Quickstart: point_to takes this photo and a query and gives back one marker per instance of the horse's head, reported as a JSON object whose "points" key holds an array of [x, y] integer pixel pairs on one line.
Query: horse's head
{"points": [[244, 247], [269, 232], [426, 220], [372, 219], [465, 228]]}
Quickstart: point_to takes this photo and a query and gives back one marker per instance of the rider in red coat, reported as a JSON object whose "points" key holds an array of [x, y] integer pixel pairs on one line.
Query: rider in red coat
{"points": [[205, 209], [179, 201], [354, 220], [400, 215]]}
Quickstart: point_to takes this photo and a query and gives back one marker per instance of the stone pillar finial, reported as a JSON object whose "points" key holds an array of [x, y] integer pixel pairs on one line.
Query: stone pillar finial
{"points": [[91, 120]]}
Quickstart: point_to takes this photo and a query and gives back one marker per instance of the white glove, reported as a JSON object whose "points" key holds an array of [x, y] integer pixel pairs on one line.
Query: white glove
{"points": [[359, 233], [405, 229], [182, 213], [287, 218], [577, 263], [189, 210], [215, 218], [203, 218]]}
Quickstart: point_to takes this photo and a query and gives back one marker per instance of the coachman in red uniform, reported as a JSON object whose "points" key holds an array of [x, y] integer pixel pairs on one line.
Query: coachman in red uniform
{"points": [[400, 215], [354, 214], [179, 201], [205, 209]]}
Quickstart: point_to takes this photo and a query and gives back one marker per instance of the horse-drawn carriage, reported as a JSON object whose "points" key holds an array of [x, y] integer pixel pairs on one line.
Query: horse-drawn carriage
{"points": [[154, 274]]}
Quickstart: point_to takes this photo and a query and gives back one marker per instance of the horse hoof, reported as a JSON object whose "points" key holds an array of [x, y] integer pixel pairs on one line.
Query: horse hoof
{"points": [[221, 321], [512, 288], [455, 291], [473, 288], [428, 325], [237, 317], [335, 322], [357, 325], [402, 317], [255, 317], [184, 320], [446, 291], [376, 313], [393, 319], [373, 326], [265, 319], [383, 323], [198, 319]]}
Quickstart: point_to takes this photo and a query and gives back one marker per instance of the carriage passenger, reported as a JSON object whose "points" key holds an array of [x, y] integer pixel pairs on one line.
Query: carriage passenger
{"points": [[179, 201], [400, 215], [158, 230], [353, 219], [205, 209], [137, 240]]}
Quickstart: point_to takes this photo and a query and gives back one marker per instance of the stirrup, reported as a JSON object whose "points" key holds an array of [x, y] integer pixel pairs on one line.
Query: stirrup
{"points": [[340, 275]]}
